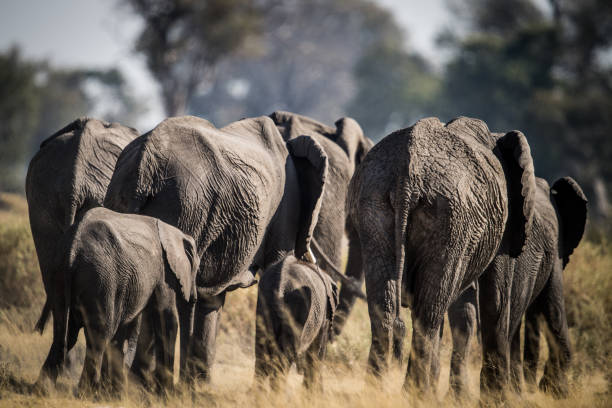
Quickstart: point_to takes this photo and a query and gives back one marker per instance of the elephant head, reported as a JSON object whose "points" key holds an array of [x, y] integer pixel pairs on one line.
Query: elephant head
{"points": [[179, 251], [348, 134], [350, 137], [571, 204], [514, 154]]}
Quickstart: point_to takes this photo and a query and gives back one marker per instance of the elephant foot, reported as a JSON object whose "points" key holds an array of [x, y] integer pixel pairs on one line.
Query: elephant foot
{"points": [[459, 391], [557, 387]]}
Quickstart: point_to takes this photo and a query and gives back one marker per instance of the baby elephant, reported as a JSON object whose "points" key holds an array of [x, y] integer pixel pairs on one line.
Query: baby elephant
{"points": [[295, 310], [116, 268]]}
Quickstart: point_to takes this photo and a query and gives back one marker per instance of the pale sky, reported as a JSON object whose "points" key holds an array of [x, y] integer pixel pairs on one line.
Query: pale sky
{"points": [[97, 33]]}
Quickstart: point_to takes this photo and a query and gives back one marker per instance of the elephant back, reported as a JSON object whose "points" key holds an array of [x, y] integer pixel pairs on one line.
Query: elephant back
{"points": [[513, 153], [82, 157]]}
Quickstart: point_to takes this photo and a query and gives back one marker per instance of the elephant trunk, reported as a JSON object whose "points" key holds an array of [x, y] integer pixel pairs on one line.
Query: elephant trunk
{"points": [[44, 316], [352, 285]]}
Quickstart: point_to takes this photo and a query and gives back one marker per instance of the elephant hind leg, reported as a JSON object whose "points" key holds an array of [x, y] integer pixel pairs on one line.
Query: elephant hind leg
{"points": [[494, 288], [166, 329], [97, 342], [554, 380], [205, 330], [143, 364], [531, 352], [115, 359], [422, 362], [462, 317], [516, 363]]}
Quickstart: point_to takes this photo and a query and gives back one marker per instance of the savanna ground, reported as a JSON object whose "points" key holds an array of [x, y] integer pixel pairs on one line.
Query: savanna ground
{"points": [[588, 289]]}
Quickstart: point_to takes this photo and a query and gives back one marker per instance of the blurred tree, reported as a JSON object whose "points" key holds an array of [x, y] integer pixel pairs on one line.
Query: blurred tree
{"points": [[65, 94], [19, 106], [395, 87], [544, 70], [304, 64], [325, 59], [184, 40], [37, 99]]}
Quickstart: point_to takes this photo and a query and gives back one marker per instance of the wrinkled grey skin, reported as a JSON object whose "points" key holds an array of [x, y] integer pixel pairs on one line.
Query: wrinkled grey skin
{"points": [[537, 284], [244, 194], [119, 266], [433, 204], [345, 147], [66, 177], [295, 310]]}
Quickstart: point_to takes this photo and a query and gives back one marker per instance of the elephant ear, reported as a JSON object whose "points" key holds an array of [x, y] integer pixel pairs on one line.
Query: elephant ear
{"points": [[515, 155], [310, 163], [350, 138], [179, 251], [572, 209]]}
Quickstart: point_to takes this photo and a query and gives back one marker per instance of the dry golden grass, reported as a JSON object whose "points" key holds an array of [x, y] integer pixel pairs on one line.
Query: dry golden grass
{"points": [[589, 302]]}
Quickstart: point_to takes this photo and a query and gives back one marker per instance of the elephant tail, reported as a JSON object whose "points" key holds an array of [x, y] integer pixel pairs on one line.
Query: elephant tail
{"points": [[405, 202], [44, 316], [65, 312]]}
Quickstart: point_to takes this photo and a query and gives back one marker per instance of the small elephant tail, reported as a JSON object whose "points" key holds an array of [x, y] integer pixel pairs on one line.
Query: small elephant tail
{"points": [[44, 316], [62, 301]]}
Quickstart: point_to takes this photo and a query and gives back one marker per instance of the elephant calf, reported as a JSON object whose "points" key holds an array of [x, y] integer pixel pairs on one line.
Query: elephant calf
{"points": [[119, 266], [295, 310]]}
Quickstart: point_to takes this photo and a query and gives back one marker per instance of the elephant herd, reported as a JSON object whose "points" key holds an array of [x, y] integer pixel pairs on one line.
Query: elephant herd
{"points": [[140, 237]]}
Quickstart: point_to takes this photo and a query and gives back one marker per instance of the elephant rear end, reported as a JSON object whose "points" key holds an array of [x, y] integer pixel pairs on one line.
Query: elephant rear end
{"points": [[81, 157], [294, 318], [431, 204]]}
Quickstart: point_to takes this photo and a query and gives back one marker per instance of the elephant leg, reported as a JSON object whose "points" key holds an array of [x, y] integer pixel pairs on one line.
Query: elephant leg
{"points": [[554, 379], [206, 327], [354, 269], [266, 348], [462, 317], [53, 363], [132, 342], [115, 357], [97, 343], [382, 285], [312, 365], [382, 310], [316, 353], [531, 353], [186, 312], [166, 329], [143, 364], [494, 296], [435, 359], [516, 363], [399, 333], [426, 324]]}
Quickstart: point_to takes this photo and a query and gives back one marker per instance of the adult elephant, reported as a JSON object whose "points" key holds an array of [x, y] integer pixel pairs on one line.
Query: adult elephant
{"points": [[68, 176], [345, 147], [433, 205], [245, 195], [537, 284]]}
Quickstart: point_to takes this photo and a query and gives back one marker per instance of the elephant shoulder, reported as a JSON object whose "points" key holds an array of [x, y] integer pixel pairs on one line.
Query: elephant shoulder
{"points": [[260, 131], [99, 146], [292, 125], [180, 135]]}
